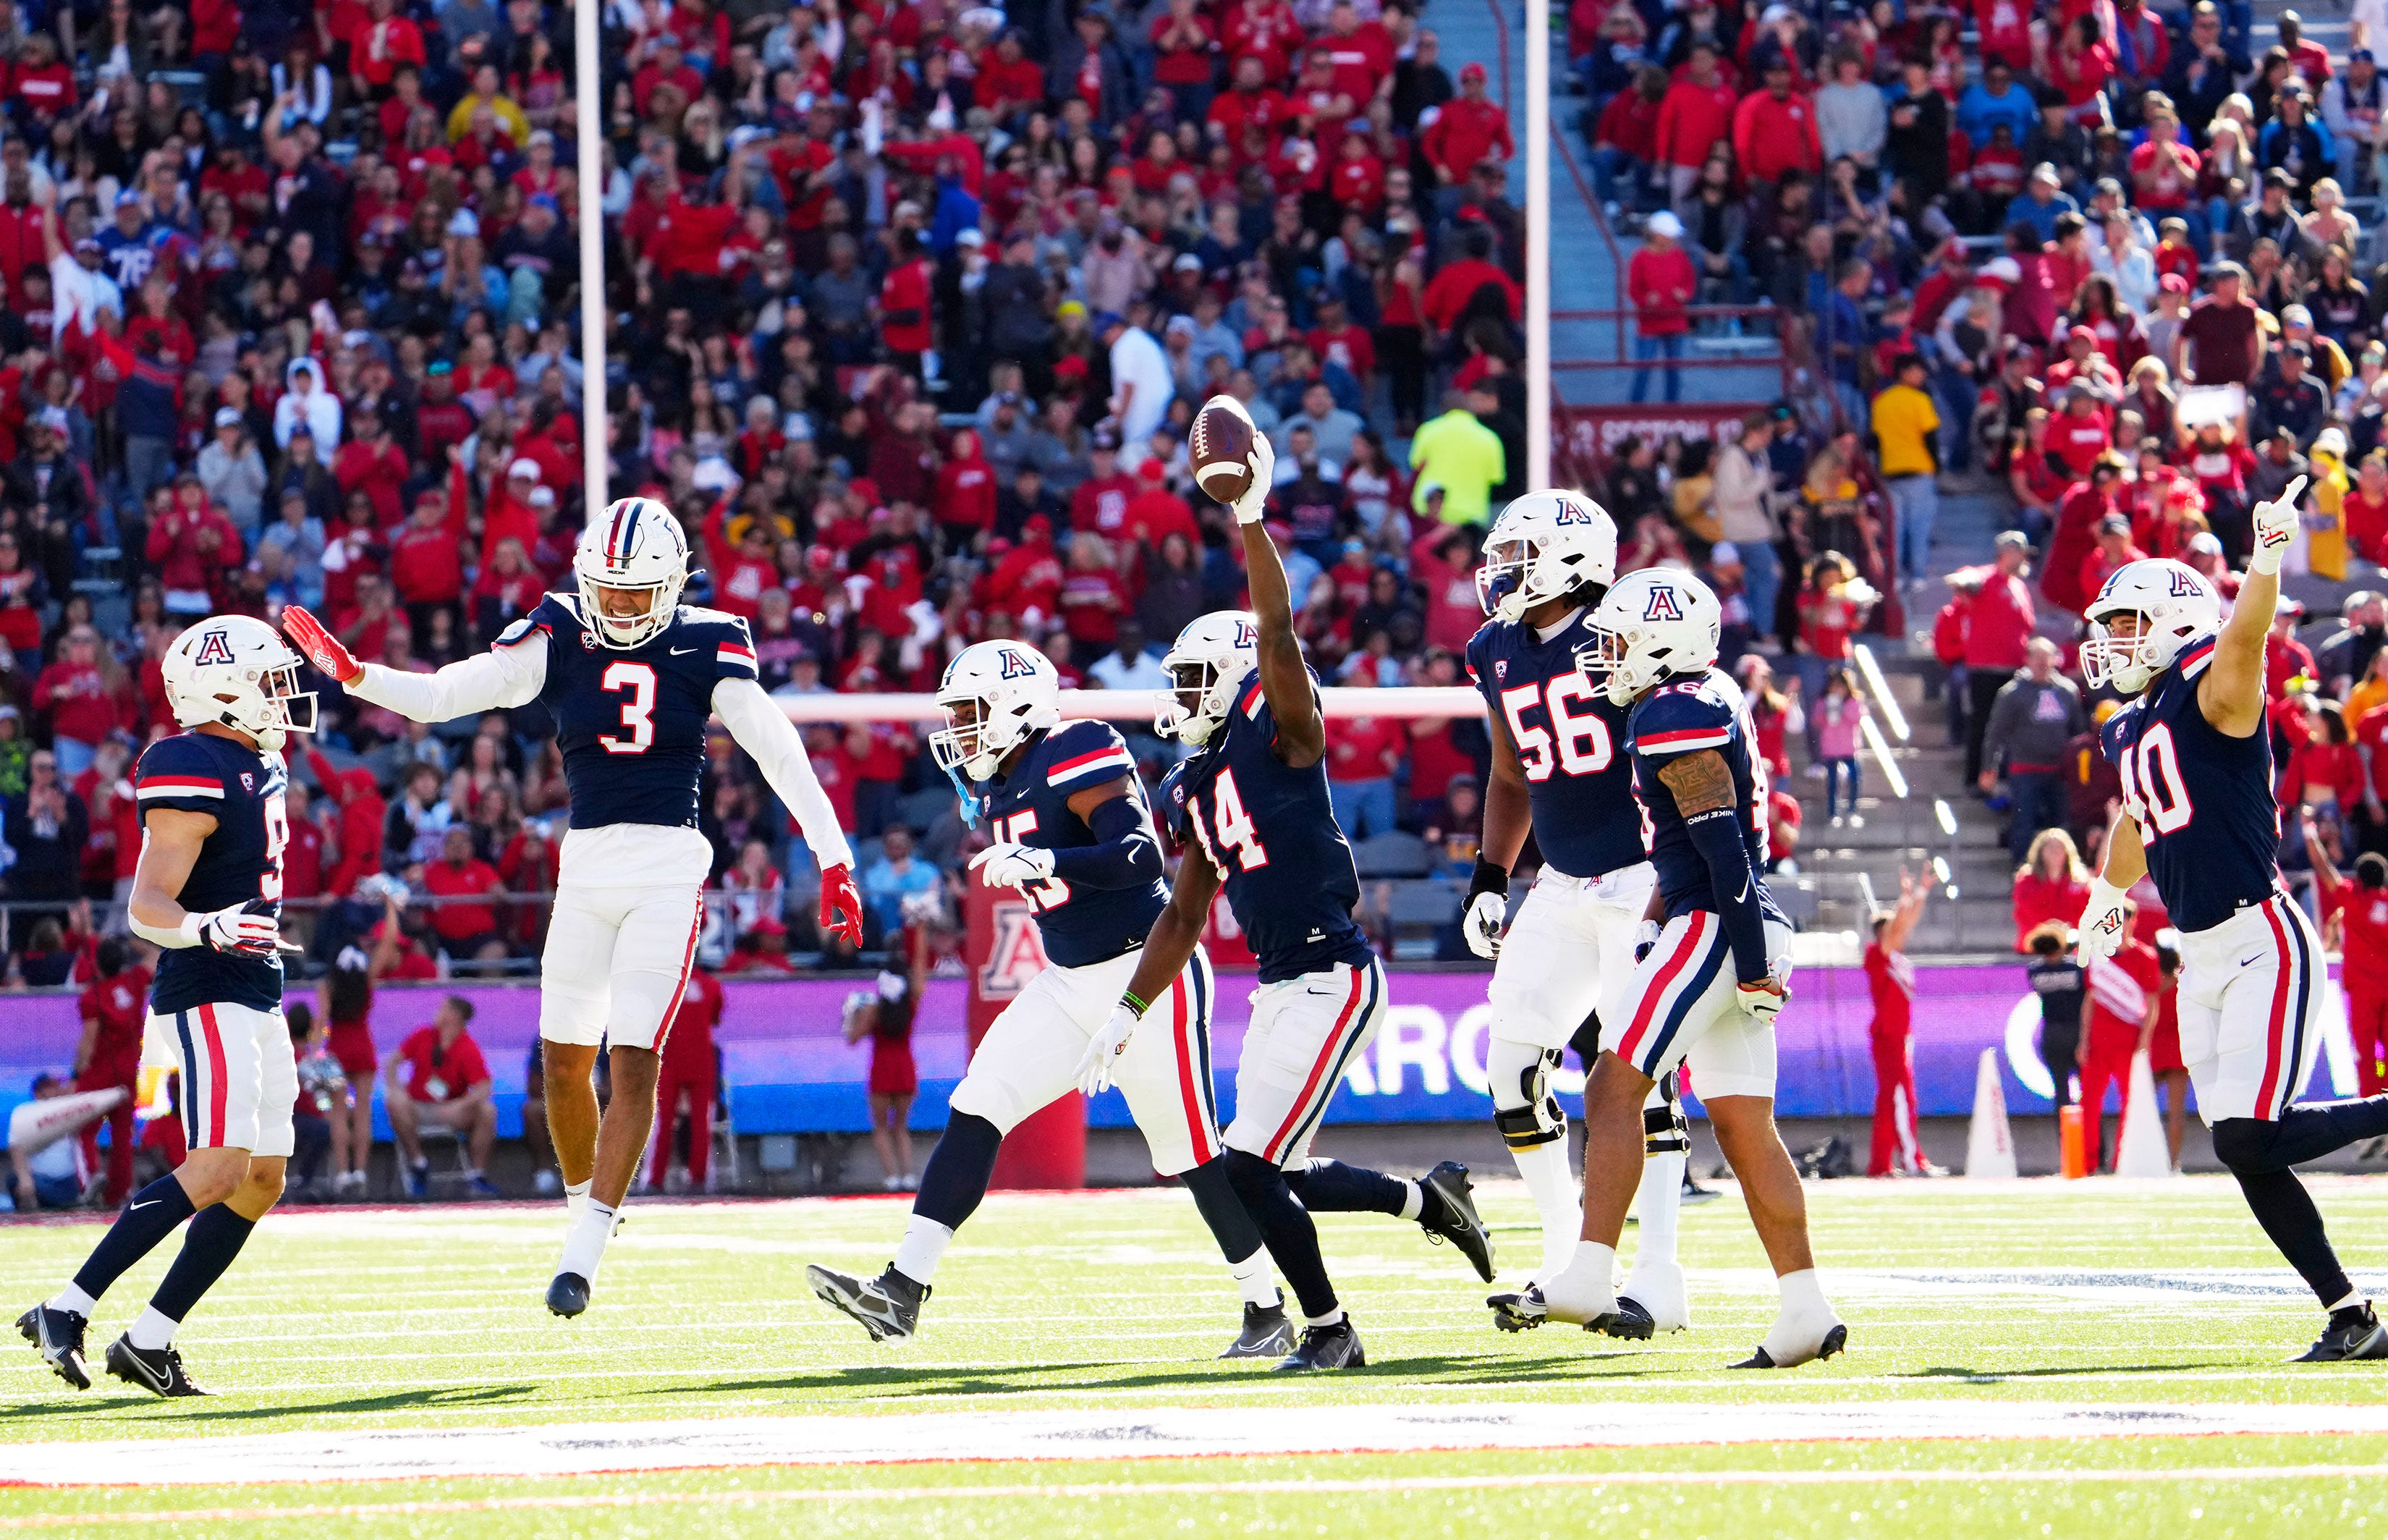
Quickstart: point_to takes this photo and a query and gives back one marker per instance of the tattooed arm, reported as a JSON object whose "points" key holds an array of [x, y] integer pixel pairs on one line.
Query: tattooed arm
{"points": [[1703, 789]]}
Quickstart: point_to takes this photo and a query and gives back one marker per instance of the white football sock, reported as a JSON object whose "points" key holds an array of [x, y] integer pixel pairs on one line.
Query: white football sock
{"points": [[2349, 1303], [74, 1299], [152, 1331], [1583, 1289], [1660, 1205], [1806, 1318], [923, 1246], [1327, 1319], [576, 1198], [584, 1245], [1254, 1281], [1550, 1180], [1412, 1198]]}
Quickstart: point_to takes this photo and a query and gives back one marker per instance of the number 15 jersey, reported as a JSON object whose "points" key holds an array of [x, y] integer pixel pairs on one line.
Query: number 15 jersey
{"points": [[241, 859], [1270, 830], [2201, 799]]}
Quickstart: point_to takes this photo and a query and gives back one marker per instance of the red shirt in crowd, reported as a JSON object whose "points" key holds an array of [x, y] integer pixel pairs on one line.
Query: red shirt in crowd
{"points": [[1365, 748], [1661, 283], [1891, 979], [120, 1007], [687, 1045], [467, 880], [436, 1073]]}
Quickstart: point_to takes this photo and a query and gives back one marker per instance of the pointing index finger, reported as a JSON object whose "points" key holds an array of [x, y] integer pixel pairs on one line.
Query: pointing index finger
{"points": [[2289, 496]]}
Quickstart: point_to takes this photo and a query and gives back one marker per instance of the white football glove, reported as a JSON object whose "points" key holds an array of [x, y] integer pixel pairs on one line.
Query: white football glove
{"points": [[2102, 922], [1645, 936], [1013, 865], [1487, 915], [1763, 1001], [245, 930], [2275, 523], [1254, 502], [1103, 1054]]}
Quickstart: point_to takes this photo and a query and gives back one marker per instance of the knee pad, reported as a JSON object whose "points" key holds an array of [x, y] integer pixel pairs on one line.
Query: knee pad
{"points": [[1525, 1109], [1665, 1130], [2244, 1145]]}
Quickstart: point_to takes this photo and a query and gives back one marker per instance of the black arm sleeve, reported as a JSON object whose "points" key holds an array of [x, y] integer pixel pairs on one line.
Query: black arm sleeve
{"points": [[1717, 832], [1128, 856]]}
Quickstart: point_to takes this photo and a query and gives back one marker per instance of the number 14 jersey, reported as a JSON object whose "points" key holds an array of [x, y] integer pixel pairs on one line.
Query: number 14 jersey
{"points": [[1270, 830], [1570, 743], [2203, 800]]}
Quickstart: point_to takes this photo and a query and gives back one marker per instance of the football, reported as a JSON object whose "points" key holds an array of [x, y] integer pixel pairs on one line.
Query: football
{"points": [[1219, 448]]}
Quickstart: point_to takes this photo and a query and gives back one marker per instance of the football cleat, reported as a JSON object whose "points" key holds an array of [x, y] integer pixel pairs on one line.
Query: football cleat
{"points": [[2353, 1333], [57, 1336], [568, 1296], [1450, 1214], [158, 1370], [887, 1306], [1527, 1309], [1267, 1334], [1695, 1193], [1657, 1290], [1336, 1346], [1834, 1341]]}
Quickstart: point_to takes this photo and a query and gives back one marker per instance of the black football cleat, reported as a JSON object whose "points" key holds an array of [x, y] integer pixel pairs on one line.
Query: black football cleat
{"points": [[1267, 1332], [1695, 1193], [57, 1336], [1450, 1214], [887, 1306], [158, 1370], [1526, 1310], [2353, 1333], [568, 1296], [1336, 1346]]}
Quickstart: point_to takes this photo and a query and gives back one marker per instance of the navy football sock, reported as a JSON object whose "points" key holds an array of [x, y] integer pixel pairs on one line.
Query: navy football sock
{"points": [[2299, 1134], [2286, 1211], [215, 1238], [1231, 1223], [1293, 1238], [958, 1169], [1331, 1187], [148, 1219]]}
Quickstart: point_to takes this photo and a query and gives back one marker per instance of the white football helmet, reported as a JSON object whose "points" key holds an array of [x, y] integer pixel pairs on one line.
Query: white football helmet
{"points": [[1544, 545], [240, 673], [993, 695], [1206, 665], [638, 545], [1655, 624], [2176, 606]]}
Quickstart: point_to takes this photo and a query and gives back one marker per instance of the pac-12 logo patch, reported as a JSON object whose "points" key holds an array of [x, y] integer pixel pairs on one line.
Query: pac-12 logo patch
{"points": [[248, 781], [1662, 605], [1014, 666], [215, 647], [1500, 670]]}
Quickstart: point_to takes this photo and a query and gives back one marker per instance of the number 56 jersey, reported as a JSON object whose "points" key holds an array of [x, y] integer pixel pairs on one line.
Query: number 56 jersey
{"points": [[630, 721], [2203, 800], [1570, 743], [241, 859]]}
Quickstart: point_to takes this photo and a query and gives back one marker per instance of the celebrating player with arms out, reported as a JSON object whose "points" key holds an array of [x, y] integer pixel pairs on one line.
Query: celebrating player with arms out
{"points": [[1559, 768], [1075, 838], [2200, 816], [1706, 993], [208, 891], [1252, 809], [631, 678]]}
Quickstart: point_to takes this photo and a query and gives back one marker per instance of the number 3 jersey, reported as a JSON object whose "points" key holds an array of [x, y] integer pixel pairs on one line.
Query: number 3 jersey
{"points": [[240, 860], [1079, 924], [1689, 716], [630, 721], [2201, 799], [1270, 830], [1571, 744]]}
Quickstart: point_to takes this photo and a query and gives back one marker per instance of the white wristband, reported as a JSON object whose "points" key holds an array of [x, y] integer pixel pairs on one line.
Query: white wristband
{"points": [[174, 938]]}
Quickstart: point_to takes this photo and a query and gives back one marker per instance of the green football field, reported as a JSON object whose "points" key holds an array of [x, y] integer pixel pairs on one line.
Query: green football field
{"points": [[2095, 1358]]}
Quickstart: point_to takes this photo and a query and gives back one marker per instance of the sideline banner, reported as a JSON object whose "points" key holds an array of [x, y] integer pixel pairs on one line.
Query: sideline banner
{"points": [[790, 1071]]}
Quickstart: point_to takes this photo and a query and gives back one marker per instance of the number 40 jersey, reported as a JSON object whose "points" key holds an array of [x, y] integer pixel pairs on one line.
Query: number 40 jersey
{"points": [[1570, 742]]}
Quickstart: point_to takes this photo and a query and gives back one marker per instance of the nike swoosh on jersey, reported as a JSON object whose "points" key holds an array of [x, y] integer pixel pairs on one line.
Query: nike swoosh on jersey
{"points": [[682, 651], [137, 1206]]}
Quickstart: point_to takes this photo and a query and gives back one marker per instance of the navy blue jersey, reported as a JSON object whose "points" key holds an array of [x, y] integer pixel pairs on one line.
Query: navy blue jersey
{"points": [[1570, 742], [2201, 799], [1687, 716], [242, 790], [630, 721], [1270, 830], [1031, 806]]}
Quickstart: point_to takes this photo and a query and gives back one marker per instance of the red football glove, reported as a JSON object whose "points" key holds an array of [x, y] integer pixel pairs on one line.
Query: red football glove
{"points": [[841, 904], [318, 646]]}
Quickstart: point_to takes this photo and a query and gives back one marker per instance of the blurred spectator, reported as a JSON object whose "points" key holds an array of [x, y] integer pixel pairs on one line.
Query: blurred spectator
{"points": [[445, 1086], [2033, 722]]}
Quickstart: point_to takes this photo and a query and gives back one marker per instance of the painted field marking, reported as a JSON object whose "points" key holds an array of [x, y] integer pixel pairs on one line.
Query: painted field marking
{"points": [[583, 1449]]}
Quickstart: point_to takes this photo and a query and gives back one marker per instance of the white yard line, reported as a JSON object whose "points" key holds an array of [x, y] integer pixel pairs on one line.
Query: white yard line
{"points": [[582, 1449]]}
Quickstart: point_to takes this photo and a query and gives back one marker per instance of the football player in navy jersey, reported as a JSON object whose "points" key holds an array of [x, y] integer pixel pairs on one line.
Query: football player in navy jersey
{"points": [[1251, 809], [209, 891], [1074, 837], [1706, 993], [631, 675], [1560, 768], [2200, 816]]}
